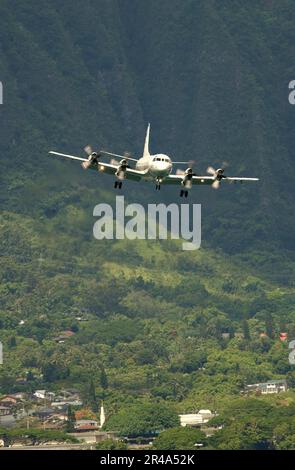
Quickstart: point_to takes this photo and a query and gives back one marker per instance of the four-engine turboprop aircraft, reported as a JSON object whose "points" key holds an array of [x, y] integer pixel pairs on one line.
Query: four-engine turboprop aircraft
{"points": [[156, 168]]}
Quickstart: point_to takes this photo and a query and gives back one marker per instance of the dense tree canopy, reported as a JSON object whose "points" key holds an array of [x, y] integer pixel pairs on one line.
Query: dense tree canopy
{"points": [[180, 439], [143, 419]]}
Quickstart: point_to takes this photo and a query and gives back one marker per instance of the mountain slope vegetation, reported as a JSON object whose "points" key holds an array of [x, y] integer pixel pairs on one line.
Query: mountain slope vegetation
{"points": [[151, 323]]}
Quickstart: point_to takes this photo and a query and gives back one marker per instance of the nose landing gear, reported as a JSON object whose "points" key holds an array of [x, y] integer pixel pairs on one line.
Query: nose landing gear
{"points": [[118, 184], [158, 183]]}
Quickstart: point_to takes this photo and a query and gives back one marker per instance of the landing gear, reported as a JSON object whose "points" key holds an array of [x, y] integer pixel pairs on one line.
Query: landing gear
{"points": [[158, 183], [184, 193], [118, 184]]}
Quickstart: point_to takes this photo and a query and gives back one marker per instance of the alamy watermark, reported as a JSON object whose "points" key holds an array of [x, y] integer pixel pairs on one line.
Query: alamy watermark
{"points": [[160, 221], [292, 353], [291, 96]]}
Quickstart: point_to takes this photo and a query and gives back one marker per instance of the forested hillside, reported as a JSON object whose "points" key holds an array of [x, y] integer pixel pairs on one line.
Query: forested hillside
{"points": [[151, 322], [211, 77]]}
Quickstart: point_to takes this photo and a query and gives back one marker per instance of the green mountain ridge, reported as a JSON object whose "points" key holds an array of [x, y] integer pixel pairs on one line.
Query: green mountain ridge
{"points": [[76, 74]]}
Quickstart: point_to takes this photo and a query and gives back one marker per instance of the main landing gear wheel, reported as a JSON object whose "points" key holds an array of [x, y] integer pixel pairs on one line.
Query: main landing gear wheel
{"points": [[183, 193], [118, 184]]}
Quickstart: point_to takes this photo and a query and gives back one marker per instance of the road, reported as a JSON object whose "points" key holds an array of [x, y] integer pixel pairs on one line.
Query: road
{"points": [[53, 447]]}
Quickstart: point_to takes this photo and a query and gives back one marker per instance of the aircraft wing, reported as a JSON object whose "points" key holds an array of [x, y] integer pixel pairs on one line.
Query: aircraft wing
{"points": [[110, 169], [177, 179], [232, 179], [73, 157], [104, 152], [204, 180], [103, 167]]}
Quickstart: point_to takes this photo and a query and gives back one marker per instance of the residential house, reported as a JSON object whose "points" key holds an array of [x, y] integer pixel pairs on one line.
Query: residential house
{"points": [[270, 387], [66, 398], [19, 395], [196, 419], [82, 425], [4, 411], [9, 400], [59, 408], [44, 395], [43, 413], [55, 421], [63, 403], [63, 336]]}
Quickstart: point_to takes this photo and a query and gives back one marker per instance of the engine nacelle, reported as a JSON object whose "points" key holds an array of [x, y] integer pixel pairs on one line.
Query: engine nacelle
{"points": [[121, 170], [187, 179], [219, 173], [92, 159]]}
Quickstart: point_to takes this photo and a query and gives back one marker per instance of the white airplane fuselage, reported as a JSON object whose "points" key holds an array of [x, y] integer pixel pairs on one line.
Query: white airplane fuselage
{"points": [[156, 166]]}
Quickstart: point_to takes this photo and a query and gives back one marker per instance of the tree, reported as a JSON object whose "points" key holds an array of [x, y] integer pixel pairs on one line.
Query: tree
{"points": [[53, 371], [12, 342], [246, 330], [103, 378], [142, 420], [111, 444], [291, 379], [269, 327], [243, 434], [284, 437], [30, 376], [91, 396], [75, 327], [180, 438], [70, 425], [246, 425]]}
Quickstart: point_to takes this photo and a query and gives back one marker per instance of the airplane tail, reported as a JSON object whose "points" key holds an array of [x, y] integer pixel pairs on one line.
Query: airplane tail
{"points": [[146, 152]]}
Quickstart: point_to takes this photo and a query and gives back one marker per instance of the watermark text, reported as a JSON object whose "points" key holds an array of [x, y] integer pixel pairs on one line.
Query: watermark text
{"points": [[159, 221]]}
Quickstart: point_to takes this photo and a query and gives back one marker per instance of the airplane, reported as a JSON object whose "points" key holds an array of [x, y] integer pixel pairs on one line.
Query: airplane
{"points": [[156, 168]]}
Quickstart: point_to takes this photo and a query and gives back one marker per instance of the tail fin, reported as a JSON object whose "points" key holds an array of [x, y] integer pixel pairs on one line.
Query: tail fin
{"points": [[146, 152]]}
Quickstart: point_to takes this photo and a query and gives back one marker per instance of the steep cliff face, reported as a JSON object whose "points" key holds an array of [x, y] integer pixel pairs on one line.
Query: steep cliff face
{"points": [[212, 78]]}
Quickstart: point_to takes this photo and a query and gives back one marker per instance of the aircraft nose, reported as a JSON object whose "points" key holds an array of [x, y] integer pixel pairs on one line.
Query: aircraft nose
{"points": [[165, 167]]}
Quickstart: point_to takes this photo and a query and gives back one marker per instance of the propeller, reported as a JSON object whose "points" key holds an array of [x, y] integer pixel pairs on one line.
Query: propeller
{"points": [[127, 155], [216, 184], [187, 174], [121, 167], [190, 165], [218, 174], [210, 170], [92, 157], [88, 150]]}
